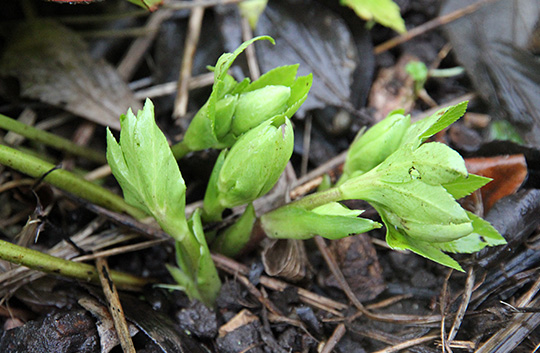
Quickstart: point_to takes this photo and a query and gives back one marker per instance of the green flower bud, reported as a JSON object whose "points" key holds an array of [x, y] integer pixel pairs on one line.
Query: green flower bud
{"points": [[255, 162], [371, 148], [251, 168], [260, 105]]}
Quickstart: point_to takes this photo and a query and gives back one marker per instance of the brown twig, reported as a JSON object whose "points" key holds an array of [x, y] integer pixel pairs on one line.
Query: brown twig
{"points": [[430, 25], [338, 333], [407, 344], [334, 268], [167, 88], [251, 56], [190, 46], [469, 286], [442, 307], [133, 56], [115, 307]]}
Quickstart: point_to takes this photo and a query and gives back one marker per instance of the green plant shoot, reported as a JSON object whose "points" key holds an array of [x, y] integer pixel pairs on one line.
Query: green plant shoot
{"points": [[145, 168], [234, 108], [414, 190]]}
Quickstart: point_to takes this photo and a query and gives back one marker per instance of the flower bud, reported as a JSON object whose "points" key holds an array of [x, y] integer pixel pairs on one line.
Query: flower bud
{"points": [[259, 105], [371, 148], [251, 168]]}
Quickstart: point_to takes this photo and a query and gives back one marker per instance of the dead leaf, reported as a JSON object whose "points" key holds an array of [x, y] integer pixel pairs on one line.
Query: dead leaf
{"points": [[52, 64], [358, 261], [508, 174], [285, 258]]}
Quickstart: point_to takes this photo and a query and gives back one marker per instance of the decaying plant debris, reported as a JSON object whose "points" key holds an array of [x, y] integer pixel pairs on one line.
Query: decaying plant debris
{"points": [[352, 295]]}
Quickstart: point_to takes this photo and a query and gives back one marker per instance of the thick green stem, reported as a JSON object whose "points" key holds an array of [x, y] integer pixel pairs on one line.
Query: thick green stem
{"points": [[180, 150], [57, 266], [66, 181], [52, 140]]}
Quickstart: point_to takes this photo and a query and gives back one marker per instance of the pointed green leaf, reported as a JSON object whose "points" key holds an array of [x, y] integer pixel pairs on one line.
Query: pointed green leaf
{"points": [[292, 222], [465, 185], [281, 75], [427, 127], [466, 245], [451, 114], [299, 93], [226, 60], [483, 228]]}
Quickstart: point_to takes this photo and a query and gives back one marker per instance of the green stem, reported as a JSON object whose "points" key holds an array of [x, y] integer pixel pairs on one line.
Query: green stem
{"points": [[66, 181], [180, 150], [52, 140], [57, 266], [318, 199]]}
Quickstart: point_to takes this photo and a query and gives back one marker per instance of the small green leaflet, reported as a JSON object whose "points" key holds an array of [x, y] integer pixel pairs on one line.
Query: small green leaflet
{"points": [[331, 221], [465, 185], [483, 235], [433, 163], [385, 12], [425, 128]]}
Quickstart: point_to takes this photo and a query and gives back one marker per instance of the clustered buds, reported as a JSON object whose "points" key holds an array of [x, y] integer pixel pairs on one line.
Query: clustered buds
{"points": [[234, 108]]}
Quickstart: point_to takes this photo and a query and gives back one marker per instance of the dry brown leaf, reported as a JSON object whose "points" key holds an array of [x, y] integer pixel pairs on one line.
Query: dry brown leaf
{"points": [[52, 64]]}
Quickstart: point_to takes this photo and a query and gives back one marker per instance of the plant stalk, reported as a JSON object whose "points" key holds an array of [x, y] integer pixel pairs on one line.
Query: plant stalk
{"points": [[39, 261], [51, 140], [66, 181]]}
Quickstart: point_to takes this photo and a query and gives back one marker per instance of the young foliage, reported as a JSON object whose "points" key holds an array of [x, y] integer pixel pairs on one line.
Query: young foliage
{"points": [[369, 149], [413, 186], [332, 221], [146, 169], [414, 191], [234, 108], [385, 12]]}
